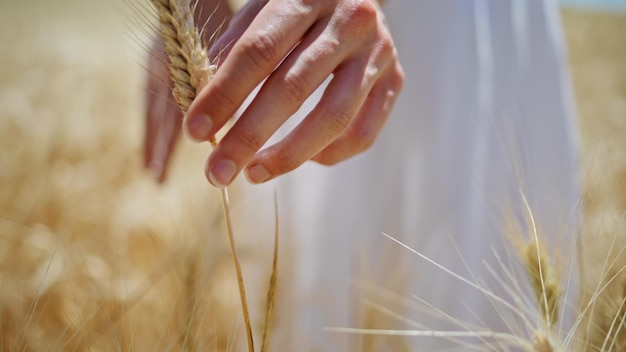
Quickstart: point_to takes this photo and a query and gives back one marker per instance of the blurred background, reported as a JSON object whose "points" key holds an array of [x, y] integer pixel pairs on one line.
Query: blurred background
{"points": [[604, 5], [93, 253]]}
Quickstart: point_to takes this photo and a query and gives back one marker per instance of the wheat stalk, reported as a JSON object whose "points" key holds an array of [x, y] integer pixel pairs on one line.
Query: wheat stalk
{"points": [[271, 291], [190, 70]]}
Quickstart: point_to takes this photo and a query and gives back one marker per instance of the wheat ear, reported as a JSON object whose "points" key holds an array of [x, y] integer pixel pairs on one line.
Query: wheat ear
{"points": [[545, 287], [191, 71], [545, 283], [189, 64]]}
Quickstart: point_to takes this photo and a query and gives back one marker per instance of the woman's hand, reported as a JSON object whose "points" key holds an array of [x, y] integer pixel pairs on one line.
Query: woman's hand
{"points": [[295, 45]]}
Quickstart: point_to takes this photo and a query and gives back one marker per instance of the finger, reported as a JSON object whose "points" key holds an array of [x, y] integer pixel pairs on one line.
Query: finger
{"points": [[273, 33], [151, 119], [156, 104], [148, 137], [157, 92], [325, 123], [163, 119], [167, 136], [237, 25], [281, 96], [368, 123], [163, 126]]}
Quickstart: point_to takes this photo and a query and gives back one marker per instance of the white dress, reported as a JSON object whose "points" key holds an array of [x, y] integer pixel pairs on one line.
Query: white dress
{"points": [[486, 115]]}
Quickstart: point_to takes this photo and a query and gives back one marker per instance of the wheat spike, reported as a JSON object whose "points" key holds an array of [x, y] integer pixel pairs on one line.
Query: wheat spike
{"points": [[271, 291], [542, 343], [191, 71], [544, 281], [545, 286], [189, 64]]}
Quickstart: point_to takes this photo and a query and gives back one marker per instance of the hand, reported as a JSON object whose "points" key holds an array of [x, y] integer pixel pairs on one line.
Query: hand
{"points": [[296, 45]]}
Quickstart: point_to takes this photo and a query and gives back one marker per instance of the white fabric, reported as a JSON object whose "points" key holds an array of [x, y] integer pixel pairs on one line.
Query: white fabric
{"points": [[486, 115]]}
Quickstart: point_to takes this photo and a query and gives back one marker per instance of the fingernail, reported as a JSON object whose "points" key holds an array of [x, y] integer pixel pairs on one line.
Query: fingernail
{"points": [[258, 174], [199, 127], [222, 173], [156, 169]]}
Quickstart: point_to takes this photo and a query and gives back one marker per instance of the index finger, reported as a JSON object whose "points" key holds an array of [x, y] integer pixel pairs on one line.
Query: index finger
{"points": [[277, 28]]}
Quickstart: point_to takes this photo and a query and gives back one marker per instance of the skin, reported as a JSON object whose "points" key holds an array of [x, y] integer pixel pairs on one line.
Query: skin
{"points": [[293, 46]]}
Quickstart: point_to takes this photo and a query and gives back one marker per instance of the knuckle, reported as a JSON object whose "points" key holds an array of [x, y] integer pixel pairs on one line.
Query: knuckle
{"points": [[247, 141], [260, 50], [361, 13], [387, 46], [308, 4], [384, 52], [363, 9], [227, 103], [337, 120], [285, 162], [295, 88]]}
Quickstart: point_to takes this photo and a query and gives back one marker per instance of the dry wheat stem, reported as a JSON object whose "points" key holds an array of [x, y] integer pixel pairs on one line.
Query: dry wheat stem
{"points": [[415, 326], [486, 292], [191, 71], [547, 293], [433, 333], [240, 282], [590, 306], [615, 327], [271, 291]]}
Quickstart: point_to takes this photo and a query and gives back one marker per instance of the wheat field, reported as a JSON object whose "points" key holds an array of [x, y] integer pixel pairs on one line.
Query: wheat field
{"points": [[597, 49], [94, 255]]}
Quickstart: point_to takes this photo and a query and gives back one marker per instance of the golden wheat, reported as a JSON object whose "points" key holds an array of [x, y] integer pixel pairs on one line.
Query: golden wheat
{"points": [[66, 165], [189, 64], [543, 278], [190, 71]]}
